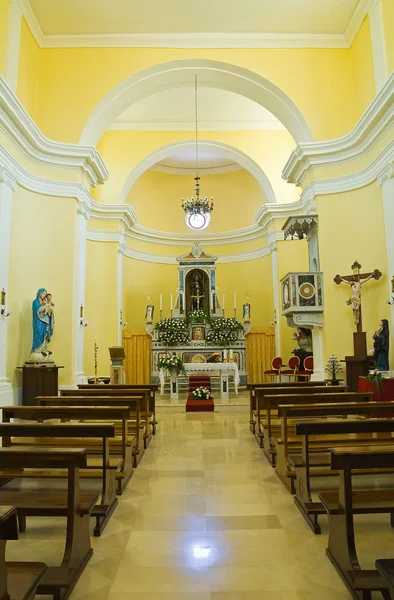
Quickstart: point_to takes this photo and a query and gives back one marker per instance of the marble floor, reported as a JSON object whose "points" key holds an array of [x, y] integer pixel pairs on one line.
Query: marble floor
{"points": [[205, 518]]}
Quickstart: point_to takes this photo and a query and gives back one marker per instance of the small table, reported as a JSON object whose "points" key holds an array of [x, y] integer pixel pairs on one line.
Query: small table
{"points": [[225, 370]]}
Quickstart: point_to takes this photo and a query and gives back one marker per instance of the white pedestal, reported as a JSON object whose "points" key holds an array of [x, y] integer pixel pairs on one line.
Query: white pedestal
{"points": [[174, 387], [224, 393], [116, 375]]}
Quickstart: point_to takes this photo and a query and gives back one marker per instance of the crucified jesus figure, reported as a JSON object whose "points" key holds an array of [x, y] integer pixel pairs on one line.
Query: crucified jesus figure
{"points": [[356, 281]]}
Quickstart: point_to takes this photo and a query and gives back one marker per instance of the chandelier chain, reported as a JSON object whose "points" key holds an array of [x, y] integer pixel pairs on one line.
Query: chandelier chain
{"points": [[196, 110]]}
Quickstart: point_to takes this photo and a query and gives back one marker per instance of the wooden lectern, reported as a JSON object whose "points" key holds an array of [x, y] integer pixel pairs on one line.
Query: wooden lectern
{"points": [[117, 356]]}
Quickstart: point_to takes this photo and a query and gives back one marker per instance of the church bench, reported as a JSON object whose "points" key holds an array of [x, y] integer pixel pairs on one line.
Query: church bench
{"points": [[252, 395], [385, 566], [101, 477], [341, 505], [314, 457], [72, 504], [261, 405], [289, 443], [120, 448], [152, 387], [142, 395], [135, 425], [18, 580], [272, 430]]}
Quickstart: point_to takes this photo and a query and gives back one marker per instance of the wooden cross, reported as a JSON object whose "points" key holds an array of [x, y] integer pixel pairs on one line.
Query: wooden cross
{"points": [[356, 281]]}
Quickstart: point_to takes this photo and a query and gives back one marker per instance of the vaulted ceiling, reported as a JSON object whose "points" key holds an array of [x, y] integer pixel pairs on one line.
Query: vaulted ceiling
{"points": [[84, 17]]}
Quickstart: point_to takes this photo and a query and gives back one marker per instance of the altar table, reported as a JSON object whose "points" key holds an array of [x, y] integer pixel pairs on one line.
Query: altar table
{"points": [[225, 370]]}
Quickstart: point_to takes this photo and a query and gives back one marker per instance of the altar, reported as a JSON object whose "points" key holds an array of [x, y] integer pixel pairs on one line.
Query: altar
{"points": [[224, 370]]}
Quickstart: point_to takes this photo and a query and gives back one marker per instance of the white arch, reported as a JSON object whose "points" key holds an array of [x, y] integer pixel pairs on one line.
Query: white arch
{"points": [[226, 151], [210, 74]]}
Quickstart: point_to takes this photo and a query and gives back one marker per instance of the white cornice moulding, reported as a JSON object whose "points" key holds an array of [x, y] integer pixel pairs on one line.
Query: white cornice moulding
{"points": [[220, 170], [20, 128], [197, 40], [171, 260], [124, 213], [203, 126], [377, 120], [61, 189]]}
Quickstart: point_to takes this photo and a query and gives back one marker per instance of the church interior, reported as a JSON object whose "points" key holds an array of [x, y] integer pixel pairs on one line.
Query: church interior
{"points": [[196, 378]]}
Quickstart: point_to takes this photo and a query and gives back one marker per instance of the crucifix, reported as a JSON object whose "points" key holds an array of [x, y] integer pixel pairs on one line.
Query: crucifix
{"points": [[356, 281]]}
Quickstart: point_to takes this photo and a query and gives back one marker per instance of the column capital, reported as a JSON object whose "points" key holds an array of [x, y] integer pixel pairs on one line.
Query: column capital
{"points": [[7, 178], [385, 174], [84, 208], [273, 238]]}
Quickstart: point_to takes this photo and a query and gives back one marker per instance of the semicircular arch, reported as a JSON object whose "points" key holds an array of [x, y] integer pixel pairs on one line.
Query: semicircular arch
{"points": [[210, 73], [225, 150]]}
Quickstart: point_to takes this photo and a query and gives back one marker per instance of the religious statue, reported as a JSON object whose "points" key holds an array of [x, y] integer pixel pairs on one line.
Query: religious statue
{"points": [[356, 281], [196, 292], [246, 312], [381, 346], [150, 309], [43, 325]]}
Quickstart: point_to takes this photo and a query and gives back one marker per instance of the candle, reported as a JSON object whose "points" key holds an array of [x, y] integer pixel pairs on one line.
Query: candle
{"points": [[235, 300], [224, 355], [171, 302], [161, 301], [223, 301], [231, 354]]}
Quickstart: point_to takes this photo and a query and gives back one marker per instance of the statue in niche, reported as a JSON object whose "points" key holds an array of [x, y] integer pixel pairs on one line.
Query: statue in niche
{"points": [[43, 326], [149, 313], [196, 293]]}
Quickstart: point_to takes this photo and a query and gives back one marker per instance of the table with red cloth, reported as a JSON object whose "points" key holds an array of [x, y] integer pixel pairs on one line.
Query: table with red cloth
{"points": [[383, 393]]}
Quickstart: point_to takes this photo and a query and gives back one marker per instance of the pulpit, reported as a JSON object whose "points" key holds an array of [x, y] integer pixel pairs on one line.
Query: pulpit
{"points": [[40, 380]]}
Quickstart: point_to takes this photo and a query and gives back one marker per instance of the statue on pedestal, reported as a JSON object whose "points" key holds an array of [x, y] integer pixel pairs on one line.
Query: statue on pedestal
{"points": [[43, 326], [196, 293]]}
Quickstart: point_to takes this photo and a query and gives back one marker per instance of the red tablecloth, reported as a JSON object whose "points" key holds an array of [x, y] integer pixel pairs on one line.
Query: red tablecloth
{"points": [[381, 394]]}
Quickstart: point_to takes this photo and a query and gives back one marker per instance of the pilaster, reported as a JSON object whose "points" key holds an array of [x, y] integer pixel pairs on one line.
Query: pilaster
{"points": [[273, 238], [79, 287], [386, 182], [374, 10], [13, 43], [121, 250], [7, 188]]}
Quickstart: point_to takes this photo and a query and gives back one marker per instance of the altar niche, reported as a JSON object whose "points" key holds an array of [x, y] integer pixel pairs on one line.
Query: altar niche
{"points": [[197, 291]]}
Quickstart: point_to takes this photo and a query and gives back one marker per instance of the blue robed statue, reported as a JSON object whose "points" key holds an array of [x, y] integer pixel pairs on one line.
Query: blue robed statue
{"points": [[43, 325]]}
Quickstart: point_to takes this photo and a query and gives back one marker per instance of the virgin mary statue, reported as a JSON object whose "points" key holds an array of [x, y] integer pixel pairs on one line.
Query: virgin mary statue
{"points": [[43, 326]]}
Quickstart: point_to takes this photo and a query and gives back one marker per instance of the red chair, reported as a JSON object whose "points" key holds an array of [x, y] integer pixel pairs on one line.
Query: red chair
{"points": [[275, 371], [307, 370], [294, 363]]}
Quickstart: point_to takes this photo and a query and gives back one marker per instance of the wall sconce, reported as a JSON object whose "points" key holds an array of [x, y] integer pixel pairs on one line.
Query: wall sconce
{"points": [[391, 301], [121, 322], [84, 322], [4, 311]]}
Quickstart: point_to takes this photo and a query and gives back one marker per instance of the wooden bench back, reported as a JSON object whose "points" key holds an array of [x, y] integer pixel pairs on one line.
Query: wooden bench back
{"points": [[42, 458], [340, 426], [362, 457]]}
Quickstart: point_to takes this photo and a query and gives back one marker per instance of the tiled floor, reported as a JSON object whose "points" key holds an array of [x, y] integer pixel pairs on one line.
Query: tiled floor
{"points": [[205, 518]]}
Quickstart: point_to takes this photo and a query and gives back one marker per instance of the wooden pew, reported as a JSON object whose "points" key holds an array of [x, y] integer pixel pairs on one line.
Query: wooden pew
{"points": [[385, 566], [317, 438], [253, 386], [273, 432], [54, 434], [261, 405], [74, 505], [18, 580], [152, 387], [134, 426], [121, 449], [341, 505], [142, 395]]}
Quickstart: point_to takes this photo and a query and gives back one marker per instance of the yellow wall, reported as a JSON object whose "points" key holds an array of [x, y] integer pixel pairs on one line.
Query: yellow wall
{"points": [[3, 35], [388, 22], [28, 74], [100, 303], [156, 198], [319, 81], [143, 278], [351, 228], [364, 77], [41, 256], [122, 151], [292, 256]]}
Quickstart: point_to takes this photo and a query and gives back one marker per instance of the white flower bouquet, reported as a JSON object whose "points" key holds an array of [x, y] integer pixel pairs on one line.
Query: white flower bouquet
{"points": [[202, 393], [171, 363]]}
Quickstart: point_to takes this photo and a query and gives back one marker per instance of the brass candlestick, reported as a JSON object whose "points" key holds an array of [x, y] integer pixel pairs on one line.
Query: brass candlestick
{"points": [[95, 362]]}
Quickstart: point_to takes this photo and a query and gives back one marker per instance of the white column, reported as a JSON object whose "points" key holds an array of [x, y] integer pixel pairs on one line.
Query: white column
{"points": [[379, 57], [318, 359], [79, 297], [121, 249], [386, 182], [13, 43], [7, 187], [275, 287]]}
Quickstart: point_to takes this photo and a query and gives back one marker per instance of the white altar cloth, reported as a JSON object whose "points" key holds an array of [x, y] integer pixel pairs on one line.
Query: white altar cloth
{"points": [[222, 369]]}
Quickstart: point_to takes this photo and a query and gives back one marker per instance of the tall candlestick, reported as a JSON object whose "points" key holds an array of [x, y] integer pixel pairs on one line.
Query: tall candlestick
{"points": [[223, 301], [235, 300], [171, 302], [161, 301]]}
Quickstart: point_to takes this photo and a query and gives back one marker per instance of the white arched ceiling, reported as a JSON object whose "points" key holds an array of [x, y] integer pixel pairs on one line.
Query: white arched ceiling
{"points": [[226, 151], [210, 74]]}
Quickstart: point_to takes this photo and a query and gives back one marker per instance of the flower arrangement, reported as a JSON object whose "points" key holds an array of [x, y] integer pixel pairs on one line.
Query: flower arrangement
{"points": [[171, 363], [375, 377], [198, 316], [172, 332], [334, 368], [229, 323], [202, 393], [224, 331]]}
